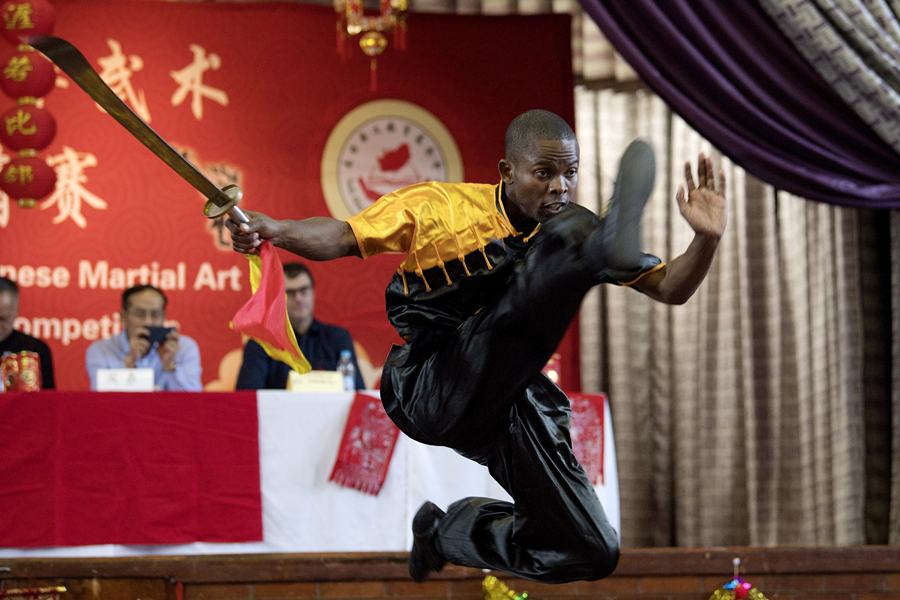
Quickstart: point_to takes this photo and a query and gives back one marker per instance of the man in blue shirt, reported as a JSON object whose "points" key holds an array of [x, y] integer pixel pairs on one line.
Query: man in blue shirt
{"points": [[320, 343], [175, 360]]}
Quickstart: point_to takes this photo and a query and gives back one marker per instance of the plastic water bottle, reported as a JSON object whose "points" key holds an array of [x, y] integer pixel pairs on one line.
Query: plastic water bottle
{"points": [[346, 369]]}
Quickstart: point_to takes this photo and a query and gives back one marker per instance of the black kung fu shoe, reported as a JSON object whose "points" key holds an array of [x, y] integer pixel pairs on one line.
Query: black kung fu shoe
{"points": [[622, 224], [424, 557]]}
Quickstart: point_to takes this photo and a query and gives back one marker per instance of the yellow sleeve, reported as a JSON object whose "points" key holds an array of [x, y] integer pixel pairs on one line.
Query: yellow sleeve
{"points": [[386, 226], [389, 225]]}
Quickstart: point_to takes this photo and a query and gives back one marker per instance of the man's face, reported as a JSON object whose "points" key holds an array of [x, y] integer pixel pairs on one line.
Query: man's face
{"points": [[542, 181], [301, 301], [145, 309], [9, 310]]}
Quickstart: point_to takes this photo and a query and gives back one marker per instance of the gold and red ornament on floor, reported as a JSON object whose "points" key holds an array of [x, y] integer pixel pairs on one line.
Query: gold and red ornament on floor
{"points": [[737, 588], [38, 593], [494, 589], [27, 128]]}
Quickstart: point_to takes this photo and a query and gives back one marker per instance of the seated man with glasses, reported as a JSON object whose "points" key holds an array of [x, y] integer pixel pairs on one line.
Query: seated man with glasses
{"points": [[175, 359], [320, 343]]}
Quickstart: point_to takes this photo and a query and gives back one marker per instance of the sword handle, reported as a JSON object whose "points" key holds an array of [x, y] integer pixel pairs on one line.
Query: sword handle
{"points": [[237, 215], [226, 203]]}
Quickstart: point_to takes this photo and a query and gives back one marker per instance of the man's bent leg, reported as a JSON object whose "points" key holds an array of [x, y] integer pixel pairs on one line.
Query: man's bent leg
{"points": [[557, 530]]}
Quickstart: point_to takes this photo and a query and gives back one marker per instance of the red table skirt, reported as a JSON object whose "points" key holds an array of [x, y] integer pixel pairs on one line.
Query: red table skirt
{"points": [[81, 468]]}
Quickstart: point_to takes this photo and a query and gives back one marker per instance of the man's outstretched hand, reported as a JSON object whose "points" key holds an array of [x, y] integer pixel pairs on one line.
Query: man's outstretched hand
{"points": [[704, 205]]}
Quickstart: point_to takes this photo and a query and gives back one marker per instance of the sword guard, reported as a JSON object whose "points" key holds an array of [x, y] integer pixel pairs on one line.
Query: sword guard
{"points": [[234, 194]]}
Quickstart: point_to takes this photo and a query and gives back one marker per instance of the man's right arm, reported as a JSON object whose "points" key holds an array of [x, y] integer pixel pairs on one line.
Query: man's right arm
{"points": [[316, 238]]}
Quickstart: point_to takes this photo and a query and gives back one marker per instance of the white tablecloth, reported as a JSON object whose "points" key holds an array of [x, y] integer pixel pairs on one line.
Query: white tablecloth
{"points": [[299, 436]]}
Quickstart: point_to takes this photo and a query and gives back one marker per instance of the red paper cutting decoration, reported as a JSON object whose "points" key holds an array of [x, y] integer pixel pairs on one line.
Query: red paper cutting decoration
{"points": [[27, 73], [22, 19], [26, 126], [27, 178]]}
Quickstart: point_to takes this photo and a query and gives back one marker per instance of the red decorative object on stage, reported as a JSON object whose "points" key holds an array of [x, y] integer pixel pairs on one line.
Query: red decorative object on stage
{"points": [[27, 73], [22, 19], [20, 372], [366, 446], [27, 128], [587, 427], [37, 593], [27, 178], [737, 588]]}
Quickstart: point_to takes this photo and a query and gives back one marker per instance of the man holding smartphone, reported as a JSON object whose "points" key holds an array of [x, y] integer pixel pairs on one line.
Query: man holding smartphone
{"points": [[145, 343]]}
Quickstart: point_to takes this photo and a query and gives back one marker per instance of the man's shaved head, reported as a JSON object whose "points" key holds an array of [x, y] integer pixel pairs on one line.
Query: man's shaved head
{"points": [[534, 125]]}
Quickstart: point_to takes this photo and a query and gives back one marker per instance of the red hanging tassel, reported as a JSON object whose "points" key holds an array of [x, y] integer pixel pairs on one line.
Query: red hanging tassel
{"points": [[339, 29], [374, 75]]}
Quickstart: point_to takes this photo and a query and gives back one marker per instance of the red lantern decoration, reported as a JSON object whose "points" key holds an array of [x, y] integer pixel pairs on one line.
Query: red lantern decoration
{"points": [[27, 127], [25, 18], [27, 73], [27, 178]]}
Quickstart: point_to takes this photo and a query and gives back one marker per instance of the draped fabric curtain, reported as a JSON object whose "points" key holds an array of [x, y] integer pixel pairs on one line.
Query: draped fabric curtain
{"points": [[855, 47], [739, 416], [727, 69], [895, 383], [810, 108]]}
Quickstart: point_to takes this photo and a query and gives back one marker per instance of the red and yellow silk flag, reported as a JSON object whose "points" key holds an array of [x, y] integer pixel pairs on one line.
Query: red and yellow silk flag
{"points": [[264, 316]]}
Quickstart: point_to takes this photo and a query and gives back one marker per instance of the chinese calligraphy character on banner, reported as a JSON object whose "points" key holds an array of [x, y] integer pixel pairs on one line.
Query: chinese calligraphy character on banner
{"points": [[117, 72], [190, 80], [69, 192]]}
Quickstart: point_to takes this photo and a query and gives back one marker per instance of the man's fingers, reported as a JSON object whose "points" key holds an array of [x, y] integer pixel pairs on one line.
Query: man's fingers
{"points": [[689, 177]]}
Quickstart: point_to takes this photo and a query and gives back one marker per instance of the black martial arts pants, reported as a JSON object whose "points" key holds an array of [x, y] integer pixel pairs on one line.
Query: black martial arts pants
{"points": [[483, 394]]}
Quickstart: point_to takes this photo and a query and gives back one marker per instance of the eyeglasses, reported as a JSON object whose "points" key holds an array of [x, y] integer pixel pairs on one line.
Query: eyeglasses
{"points": [[300, 291], [140, 313]]}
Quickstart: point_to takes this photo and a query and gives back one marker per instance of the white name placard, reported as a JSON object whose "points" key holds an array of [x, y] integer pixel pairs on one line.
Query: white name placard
{"points": [[124, 380], [315, 381]]}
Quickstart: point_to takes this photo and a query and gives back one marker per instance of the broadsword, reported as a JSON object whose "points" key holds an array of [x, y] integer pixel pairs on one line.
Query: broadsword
{"points": [[73, 63]]}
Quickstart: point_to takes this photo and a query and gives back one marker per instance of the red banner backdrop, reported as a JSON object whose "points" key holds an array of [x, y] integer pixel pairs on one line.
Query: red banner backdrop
{"points": [[253, 94]]}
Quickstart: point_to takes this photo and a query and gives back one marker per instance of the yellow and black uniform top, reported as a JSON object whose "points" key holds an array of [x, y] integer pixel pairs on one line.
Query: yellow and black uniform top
{"points": [[460, 248]]}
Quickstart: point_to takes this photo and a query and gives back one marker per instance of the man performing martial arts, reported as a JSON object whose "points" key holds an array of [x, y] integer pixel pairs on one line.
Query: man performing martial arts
{"points": [[493, 276]]}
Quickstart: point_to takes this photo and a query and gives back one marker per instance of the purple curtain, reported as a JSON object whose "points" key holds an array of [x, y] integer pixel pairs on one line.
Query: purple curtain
{"points": [[725, 67]]}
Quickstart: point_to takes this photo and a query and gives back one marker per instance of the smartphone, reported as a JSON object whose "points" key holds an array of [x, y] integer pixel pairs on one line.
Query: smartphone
{"points": [[158, 334]]}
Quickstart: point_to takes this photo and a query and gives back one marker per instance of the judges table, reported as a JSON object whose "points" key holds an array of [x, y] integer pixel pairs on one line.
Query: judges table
{"points": [[302, 511]]}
